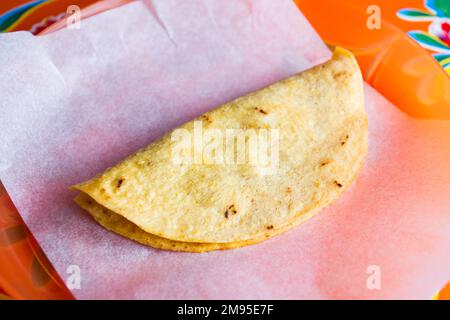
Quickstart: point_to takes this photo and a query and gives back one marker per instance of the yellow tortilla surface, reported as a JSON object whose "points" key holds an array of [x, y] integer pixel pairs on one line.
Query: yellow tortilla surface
{"points": [[118, 224], [323, 141]]}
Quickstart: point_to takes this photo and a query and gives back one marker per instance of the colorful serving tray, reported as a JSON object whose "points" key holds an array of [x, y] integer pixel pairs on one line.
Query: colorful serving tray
{"points": [[25, 273], [390, 59], [38, 15]]}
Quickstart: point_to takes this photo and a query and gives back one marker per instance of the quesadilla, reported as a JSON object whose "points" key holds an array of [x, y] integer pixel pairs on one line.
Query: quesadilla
{"points": [[315, 135]]}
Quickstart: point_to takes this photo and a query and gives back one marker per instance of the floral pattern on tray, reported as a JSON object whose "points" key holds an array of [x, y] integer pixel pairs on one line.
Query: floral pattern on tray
{"points": [[437, 38]]}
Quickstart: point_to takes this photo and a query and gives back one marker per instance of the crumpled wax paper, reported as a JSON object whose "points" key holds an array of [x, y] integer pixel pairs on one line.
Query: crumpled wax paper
{"points": [[79, 100]]}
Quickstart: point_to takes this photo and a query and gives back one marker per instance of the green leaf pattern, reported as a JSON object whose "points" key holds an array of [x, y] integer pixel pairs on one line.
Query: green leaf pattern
{"points": [[437, 12]]}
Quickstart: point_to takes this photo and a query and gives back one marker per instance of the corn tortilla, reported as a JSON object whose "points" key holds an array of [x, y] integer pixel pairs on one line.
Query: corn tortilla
{"points": [[323, 141], [118, 224]]}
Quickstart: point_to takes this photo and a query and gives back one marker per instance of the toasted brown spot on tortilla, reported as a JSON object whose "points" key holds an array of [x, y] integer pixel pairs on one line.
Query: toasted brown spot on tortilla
{"points": [[231, 209], [341, 74], [269, 227], [206, 118], [119, 183], [338, 184], [324, 163], [344, 141], [261, 110]]}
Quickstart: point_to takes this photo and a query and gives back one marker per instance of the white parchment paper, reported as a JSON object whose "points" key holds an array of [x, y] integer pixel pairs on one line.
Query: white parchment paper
{"points": [[77, 101]]}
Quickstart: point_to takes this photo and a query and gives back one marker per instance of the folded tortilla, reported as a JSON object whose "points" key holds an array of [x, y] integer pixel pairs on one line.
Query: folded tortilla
{"points": [[118, 224], [322, 127]]}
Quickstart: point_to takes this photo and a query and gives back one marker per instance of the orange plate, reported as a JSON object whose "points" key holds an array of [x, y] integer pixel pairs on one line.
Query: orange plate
{"points": [[87, 12], [29, 275], [46, 10], [11, 4], [25, 272], [391, 61]]}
